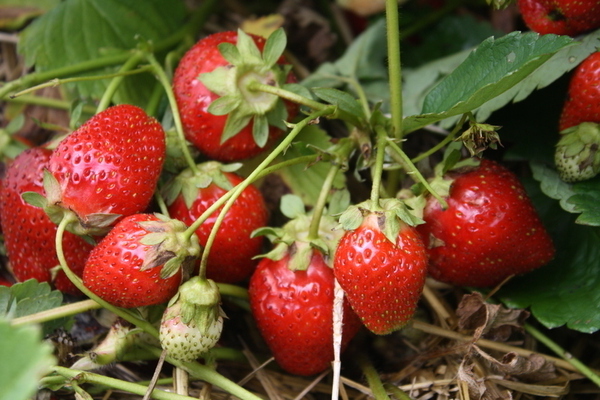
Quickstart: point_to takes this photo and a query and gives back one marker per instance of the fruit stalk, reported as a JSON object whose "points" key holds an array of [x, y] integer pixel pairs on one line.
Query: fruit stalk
{"points": [[394, 65], [400, 156], [112, 87], [164, 80]]}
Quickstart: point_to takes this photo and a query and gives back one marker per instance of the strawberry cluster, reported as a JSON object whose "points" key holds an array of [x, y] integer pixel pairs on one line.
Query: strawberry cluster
{"points": [[95, 192]]}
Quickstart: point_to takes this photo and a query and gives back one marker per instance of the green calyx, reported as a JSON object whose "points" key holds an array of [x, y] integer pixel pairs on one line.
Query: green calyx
{"points": [[199, 302], [479, 137], [577, 157], [171, 247], [233, 83], [390, 215], [189, 181], [294, 239]]}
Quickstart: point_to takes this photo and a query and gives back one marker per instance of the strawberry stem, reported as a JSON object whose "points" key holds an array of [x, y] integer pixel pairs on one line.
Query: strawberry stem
{"points": [[211, 376], [237, 191], [400, 156], [336, 164], [130, 387], [382, 142], [47, 102], [125, 314], [58, 312], [166, 83], [114, 84], [449, 138], [546, 341], [373, 379], [57, 82], [394, 65]]}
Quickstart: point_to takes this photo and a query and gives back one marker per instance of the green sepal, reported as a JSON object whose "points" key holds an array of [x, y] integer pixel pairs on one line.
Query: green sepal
{"points": [[274, 47], [221, 81], [278, 116], [234, 124], [188, 182], [34, 199], [224, 105], [292, 206], [230, 52], [260, 130], [247, 47]]}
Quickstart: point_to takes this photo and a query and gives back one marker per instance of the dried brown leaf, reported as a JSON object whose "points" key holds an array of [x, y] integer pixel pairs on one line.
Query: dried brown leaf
{"points": [[534, 368], [492, 321]]}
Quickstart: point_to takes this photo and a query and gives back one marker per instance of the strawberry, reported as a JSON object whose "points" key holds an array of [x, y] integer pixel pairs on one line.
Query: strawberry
{"points": [[141, 261], [583, 97], [29, 235], [106, 169], [190, 194], [489, 231], [192, 323], [381, 263], [561, 17], [577, 157], [247, 121], [293, 310], [292, 293]]}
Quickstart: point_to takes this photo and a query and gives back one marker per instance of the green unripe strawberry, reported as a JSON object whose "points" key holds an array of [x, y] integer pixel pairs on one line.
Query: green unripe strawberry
{"points": [[193, 321], [576, 156]]}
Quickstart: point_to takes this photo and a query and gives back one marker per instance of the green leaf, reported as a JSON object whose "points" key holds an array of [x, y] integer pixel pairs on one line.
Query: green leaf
{"points": [[26, 359], [553, 186], [307, 181], [491, 69], [344, 101], [586, 200], [567, 290], [28, 298], [83, 30], [274, 47]]}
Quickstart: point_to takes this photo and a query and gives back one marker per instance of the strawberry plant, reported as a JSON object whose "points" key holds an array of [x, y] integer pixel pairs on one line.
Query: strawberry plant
{"points": [[425, 173]]}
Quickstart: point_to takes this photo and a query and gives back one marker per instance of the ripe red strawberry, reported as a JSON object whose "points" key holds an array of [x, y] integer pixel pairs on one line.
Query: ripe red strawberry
{"points": [[294, 313], [241, 130], [381, 263], [489, 231], [561, 17], [141, 261], [29, 234], [106, 169], [231, 255], [583, 98]]}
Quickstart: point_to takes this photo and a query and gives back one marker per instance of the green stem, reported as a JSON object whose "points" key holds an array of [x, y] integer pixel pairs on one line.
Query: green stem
{"points": [[166, 83], [47, 102], [400, 156], [211, 376], [397, 392], [382, 142], [373, 379], [546, 341], [130, 387], [197, 20], [237, 190], [394, 65], [227, 289], [58, 312], [286, 94], [123, 313], [443, 143], [315, 222], [56, 81], [114, 84]]}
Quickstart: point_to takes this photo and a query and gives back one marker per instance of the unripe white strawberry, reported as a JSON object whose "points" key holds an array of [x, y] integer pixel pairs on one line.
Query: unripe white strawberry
{"points": [[192, 323], [577, 157]]}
